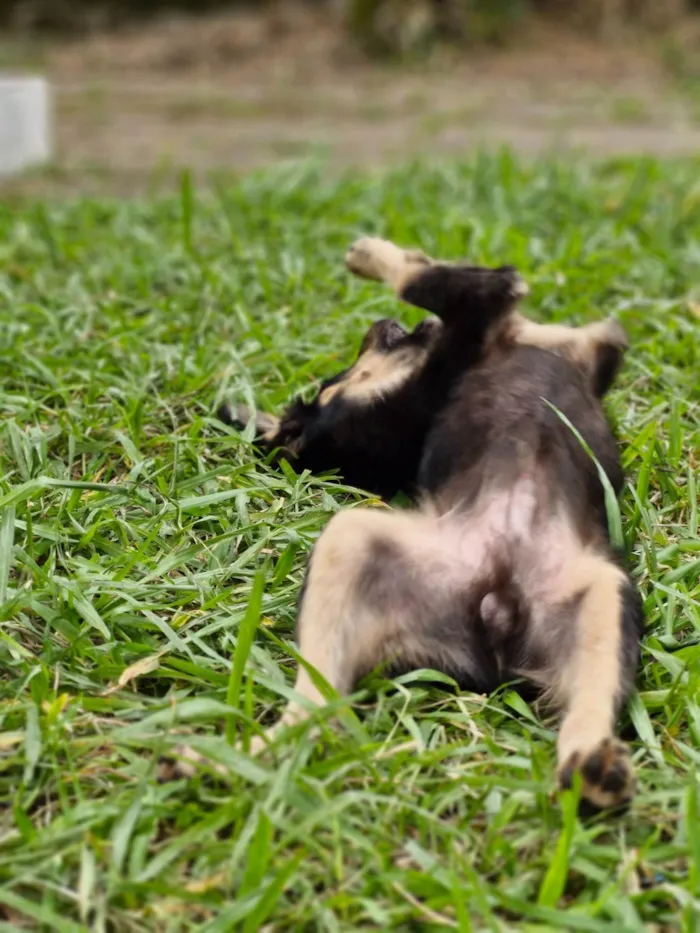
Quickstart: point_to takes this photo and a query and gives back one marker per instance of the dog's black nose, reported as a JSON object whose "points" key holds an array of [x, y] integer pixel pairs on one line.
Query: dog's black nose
{"points": [[392, 333], [383, 335]]}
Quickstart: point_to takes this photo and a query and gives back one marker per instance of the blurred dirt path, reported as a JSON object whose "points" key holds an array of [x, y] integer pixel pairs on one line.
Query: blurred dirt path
{"points": [[240, 92]]}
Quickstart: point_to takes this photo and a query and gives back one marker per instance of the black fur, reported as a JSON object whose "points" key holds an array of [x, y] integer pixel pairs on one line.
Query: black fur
{"points": [[498, 424], [632, 629]]}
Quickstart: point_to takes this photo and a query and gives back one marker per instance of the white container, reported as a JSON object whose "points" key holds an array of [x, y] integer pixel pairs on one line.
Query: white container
{"points": [[25, 123]]}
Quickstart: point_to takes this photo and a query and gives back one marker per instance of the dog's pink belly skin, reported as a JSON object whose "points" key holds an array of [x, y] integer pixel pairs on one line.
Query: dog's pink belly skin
{"points": [[513, 531]]}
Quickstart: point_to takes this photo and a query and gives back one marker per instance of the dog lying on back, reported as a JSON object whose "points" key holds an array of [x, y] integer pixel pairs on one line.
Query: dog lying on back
{"points": [[505, 569]]}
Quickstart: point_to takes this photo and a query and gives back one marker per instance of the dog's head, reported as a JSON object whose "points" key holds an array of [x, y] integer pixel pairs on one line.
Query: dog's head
{"points": [[363, 421]]}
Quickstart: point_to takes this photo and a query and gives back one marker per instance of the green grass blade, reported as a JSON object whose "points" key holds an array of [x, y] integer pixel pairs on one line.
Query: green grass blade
{"points": [[40, 913], [612, 506], [555, 879], [7, 536], [244, 641], [124, 829]]}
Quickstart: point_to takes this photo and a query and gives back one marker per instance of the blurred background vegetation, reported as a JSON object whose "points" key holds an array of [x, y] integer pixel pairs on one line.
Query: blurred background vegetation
{"points": [[142, 87], [379, 26]]}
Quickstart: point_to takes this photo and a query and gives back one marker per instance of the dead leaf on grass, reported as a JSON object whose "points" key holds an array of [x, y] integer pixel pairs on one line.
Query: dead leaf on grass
{"points": [[138, 669]]}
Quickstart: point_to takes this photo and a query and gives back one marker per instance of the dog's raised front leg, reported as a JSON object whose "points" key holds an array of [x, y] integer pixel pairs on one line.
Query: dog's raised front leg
{"points": [[475, 297], [471, 298]]}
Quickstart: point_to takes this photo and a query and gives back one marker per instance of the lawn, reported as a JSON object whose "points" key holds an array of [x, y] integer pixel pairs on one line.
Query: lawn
{"points": [[135, 533]]}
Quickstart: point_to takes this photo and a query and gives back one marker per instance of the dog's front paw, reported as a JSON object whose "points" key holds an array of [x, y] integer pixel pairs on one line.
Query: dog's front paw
{"points": [[374, 258], [364, 256], [508, 281], [607, 775], [236, 416], [608, 331]]}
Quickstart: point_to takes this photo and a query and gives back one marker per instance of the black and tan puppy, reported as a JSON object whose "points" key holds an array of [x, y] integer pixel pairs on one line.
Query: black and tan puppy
{"points": [[505, 569]]}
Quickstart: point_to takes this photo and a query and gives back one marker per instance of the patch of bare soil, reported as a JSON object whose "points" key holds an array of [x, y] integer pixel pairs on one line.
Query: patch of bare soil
{"points": [[242, 91]]}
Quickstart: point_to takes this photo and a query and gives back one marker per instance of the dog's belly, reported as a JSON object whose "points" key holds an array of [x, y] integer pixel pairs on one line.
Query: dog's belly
{"points": [[511, 545]]}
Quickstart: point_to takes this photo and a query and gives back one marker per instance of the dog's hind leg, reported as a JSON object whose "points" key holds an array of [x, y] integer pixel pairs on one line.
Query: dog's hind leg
{"points": [[339, 632], [354, 612], [382, 589], [593, 665]]}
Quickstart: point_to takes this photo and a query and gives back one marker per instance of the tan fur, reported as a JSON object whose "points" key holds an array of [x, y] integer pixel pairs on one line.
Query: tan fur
{"points": [[579, 344], [384, 261], [337, 635], [375, 374], [589, 683]]}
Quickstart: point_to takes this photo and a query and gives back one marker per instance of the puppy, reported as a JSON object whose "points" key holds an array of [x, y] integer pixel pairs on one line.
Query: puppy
{"points": [[505, 569]]}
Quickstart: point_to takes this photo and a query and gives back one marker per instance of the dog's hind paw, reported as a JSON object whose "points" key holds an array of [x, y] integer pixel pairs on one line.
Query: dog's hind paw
{"points": [[607, 775]]}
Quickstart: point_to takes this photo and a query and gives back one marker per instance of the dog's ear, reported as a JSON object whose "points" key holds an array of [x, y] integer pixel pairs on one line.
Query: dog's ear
{"points": [[238, 416]]}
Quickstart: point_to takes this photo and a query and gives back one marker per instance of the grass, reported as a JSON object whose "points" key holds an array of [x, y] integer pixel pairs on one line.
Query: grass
{"points": [[136, 534]]}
